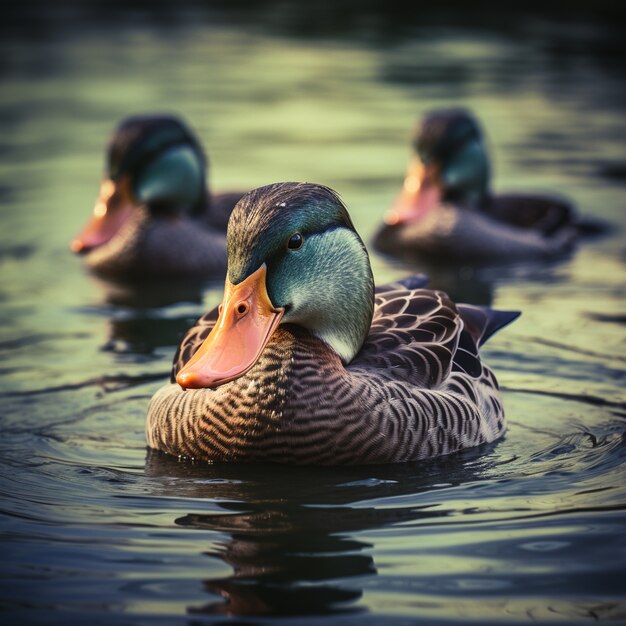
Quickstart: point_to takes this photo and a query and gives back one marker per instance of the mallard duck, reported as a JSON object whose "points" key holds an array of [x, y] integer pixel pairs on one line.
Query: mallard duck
{"points": [[154, 214], [446, 209], [304, 362]]}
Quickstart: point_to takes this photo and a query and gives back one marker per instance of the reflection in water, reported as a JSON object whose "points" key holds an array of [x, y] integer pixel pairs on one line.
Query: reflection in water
{"points": [[152, 293], [291, 542], [140, 321], [143, 334], [478, 285], [462, 284], [142, 327], [276, 571]]}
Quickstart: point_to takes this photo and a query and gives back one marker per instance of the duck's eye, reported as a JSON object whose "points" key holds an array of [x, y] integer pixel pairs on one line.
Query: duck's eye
{"points": [[295, 241]]}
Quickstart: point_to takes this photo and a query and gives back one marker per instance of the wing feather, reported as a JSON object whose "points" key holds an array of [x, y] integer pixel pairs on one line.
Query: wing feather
{"points": [[414, 335]]}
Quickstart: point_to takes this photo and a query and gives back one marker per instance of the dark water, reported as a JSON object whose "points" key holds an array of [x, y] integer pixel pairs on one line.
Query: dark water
{"points": [[97, 531]]}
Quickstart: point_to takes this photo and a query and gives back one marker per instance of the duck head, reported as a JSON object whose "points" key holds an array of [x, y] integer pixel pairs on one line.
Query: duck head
{"points": [[153, 161], [293, 258], [450, 164]]}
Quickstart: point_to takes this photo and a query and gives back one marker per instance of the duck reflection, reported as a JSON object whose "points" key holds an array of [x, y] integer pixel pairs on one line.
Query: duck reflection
{"points": [[144, 333], [479, 285], [462, 284], [153, 293], [282, 562], [293, 533], [141, 322]]}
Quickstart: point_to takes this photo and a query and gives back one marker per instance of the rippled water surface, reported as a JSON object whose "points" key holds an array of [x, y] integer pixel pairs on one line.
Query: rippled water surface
{"points": [[95, 530]]}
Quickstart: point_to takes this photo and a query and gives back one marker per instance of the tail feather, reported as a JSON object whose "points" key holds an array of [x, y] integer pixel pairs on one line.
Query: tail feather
{"points": [[593, 227], [483, 322]]}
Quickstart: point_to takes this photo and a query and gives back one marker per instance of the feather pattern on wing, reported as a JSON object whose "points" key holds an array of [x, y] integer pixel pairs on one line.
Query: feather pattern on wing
{"points": [[413, 337]]}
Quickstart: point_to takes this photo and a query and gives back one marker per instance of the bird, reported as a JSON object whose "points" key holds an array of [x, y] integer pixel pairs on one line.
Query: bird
{"points": [[306, 362], [447, 212], [154, 215]]}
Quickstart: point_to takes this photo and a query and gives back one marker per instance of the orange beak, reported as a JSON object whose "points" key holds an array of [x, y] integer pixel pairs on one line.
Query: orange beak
{"points": [[245, 324], [114, 206], [420, 193]]}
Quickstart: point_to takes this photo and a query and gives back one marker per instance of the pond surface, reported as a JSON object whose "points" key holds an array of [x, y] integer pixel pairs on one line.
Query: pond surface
{"points": [[96, 530]]}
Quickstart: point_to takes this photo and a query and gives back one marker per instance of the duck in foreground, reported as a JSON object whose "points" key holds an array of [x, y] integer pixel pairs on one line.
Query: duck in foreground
{"points": [[304, 362], [154, 215], [447, 211]]}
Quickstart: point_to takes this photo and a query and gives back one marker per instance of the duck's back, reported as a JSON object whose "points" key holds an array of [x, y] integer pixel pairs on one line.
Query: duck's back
{"points": [[436, 396], [450, 234], [542, 213]]}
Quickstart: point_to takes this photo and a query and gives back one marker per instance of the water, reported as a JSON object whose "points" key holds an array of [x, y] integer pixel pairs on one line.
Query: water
{"points": [[96, 530]]}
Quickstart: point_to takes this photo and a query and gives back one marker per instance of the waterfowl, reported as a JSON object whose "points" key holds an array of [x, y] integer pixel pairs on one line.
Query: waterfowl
{"points": [[154, 215], [447, 211], [305, 362]]}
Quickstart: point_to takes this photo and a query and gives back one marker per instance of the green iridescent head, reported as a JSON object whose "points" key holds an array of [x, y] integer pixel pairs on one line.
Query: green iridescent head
{"points": [[317, 266], [163, 160], [452, 140]]}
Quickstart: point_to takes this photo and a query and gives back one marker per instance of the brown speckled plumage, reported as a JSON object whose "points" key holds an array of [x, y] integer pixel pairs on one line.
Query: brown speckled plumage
{"points": [[405, 396]]}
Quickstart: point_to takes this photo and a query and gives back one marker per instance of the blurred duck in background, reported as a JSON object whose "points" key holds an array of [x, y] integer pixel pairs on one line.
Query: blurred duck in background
{"points": [[446, 210], [154, 216]]}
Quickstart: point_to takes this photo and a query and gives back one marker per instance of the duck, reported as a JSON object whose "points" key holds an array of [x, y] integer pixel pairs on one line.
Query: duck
{"points": [[306, 362], [154, 215], [446, 210]]}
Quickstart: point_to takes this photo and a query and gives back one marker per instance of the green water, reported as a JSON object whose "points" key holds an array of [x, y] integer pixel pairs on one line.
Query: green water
{"points": [[95, 530]]}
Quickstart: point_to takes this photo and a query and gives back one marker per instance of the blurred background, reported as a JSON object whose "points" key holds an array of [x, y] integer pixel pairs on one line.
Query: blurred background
{"points": [[326, 92]]}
